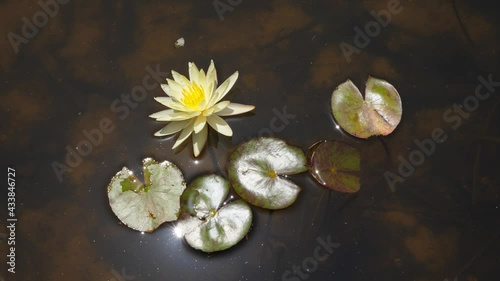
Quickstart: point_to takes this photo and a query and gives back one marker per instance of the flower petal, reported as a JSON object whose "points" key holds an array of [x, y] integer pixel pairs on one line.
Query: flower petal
{"points": [[172, 127], [201, 76], [178, 116], [175, 89], [179, 78], [210, 80], [168, 90], [206, 94], [234, 109], [170, 102], [220, 106], [199, 141], [212, 73], [209, 91], [193, 72], [166, 112], [223, 89], [185, 133], [219, 125], [200, 122]]}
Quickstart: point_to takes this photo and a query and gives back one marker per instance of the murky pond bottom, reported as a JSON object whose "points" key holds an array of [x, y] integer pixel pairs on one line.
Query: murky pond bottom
{"points": [[89, 61]]}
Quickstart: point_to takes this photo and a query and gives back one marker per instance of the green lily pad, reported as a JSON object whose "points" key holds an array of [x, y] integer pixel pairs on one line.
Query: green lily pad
{"points": [[204, 195], [214, 226], [379, 113], [335, 165], [144, 207], [258, 170]]}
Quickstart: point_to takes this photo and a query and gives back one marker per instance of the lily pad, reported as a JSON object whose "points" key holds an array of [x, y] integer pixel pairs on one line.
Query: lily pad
{"points": [[144, 207], [204, 195], [215, 225], [379, 113], [335, 165], [258, 171]]}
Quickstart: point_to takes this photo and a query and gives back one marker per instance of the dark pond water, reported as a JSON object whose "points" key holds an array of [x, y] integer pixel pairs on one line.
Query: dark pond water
{"points": [[439, 221]]}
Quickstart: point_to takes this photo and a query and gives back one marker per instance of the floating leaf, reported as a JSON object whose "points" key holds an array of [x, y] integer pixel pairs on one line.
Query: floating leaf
{"points": [[215, 226], [144, 207], [378, 114], [204, 195], [335, 165], [258, 170]]}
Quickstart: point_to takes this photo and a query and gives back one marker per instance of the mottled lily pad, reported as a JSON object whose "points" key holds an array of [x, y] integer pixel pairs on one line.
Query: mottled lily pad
{"points": [[378, 113], [335, 165], [144, 207], [204, 195], [214, 226], [258, 170]]}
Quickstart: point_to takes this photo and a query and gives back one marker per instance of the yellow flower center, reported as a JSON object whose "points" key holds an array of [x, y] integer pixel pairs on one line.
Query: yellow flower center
{"points": [[272, 174], [192, 96]]}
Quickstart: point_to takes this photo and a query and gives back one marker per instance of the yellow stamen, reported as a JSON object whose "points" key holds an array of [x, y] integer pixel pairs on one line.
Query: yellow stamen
{"points": [[272, 174], [193, 95]]}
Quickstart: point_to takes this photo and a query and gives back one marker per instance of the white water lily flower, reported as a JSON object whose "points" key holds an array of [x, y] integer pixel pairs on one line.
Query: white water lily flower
{"points": [[194, 102]]}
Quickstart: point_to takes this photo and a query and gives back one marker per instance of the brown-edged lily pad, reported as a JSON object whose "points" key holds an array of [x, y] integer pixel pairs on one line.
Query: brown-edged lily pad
{"points": [[335, 165], [213, 225], [144, 207], [258, 170], [378, 113]]}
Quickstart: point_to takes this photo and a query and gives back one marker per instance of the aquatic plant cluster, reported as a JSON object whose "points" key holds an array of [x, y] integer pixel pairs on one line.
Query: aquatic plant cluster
{"points": [[258, 169]]}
